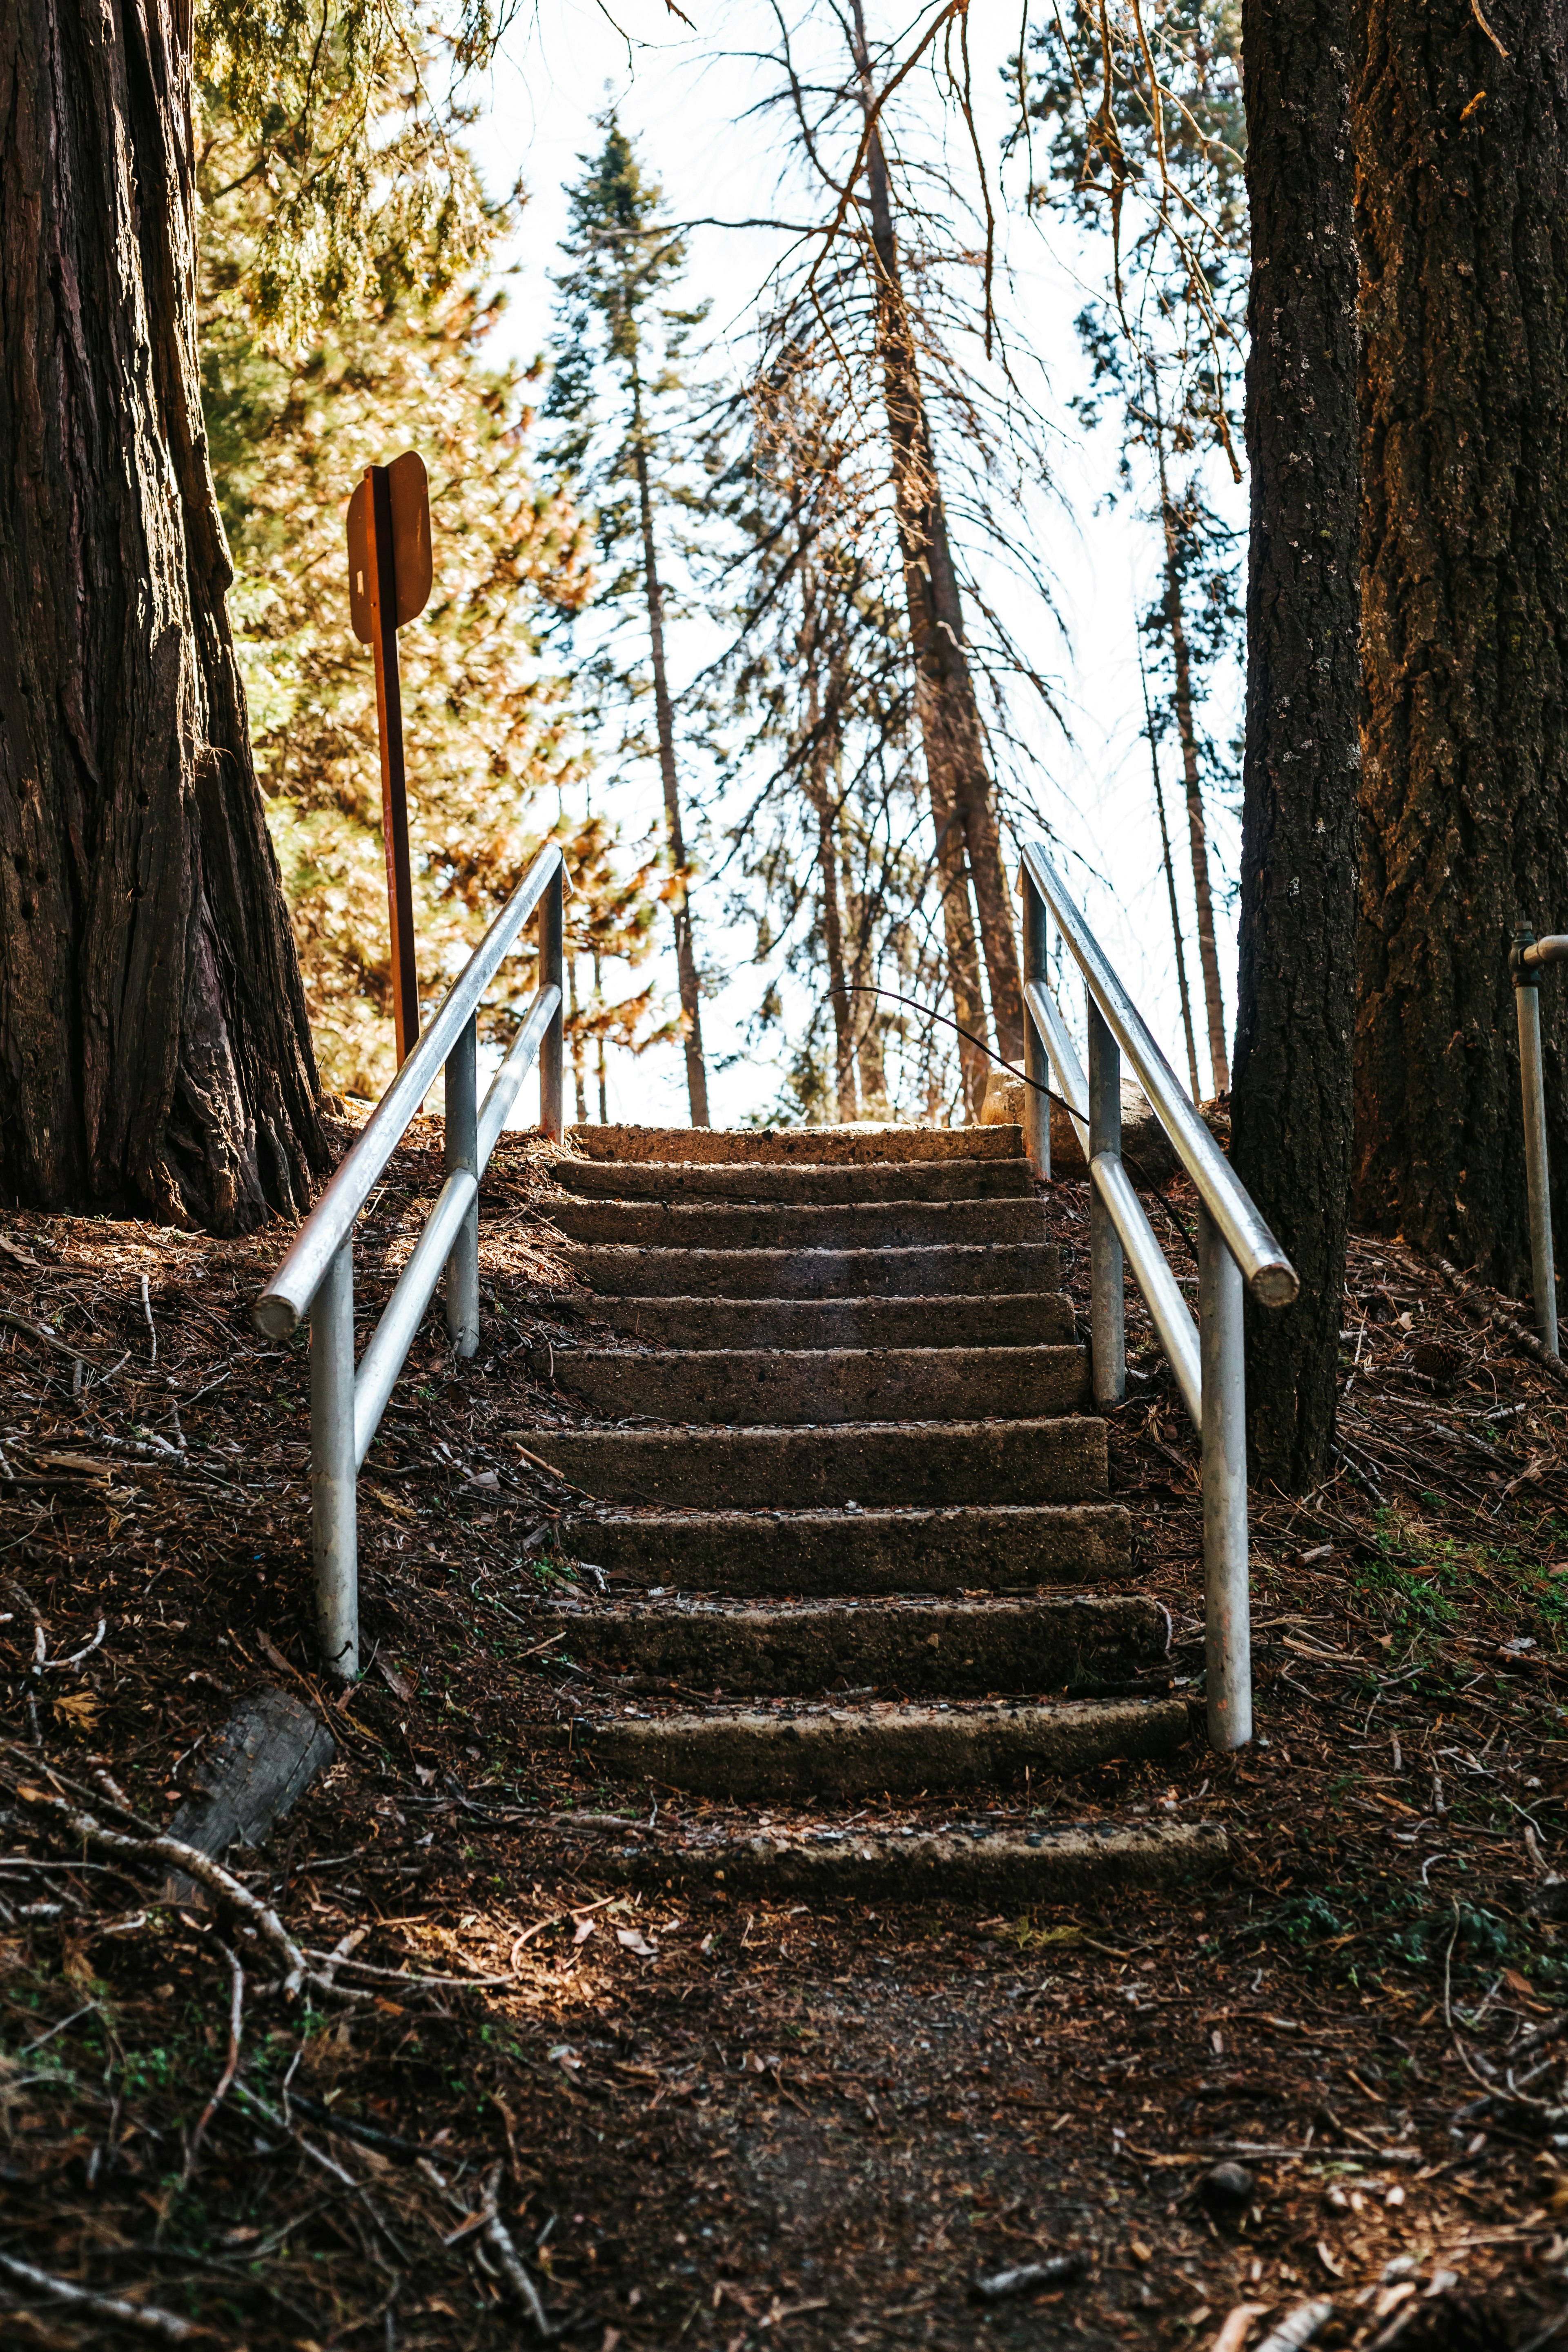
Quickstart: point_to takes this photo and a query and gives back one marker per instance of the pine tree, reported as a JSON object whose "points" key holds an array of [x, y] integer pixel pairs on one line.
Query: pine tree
{"points": [[154, 1032], [624, 440], [493, 742]]}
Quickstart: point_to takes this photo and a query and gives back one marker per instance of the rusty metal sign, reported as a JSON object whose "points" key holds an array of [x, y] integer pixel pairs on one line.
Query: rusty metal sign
{"points": [[408, 497]]}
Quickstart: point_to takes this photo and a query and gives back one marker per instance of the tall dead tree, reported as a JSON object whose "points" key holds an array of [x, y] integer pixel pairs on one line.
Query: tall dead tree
{"points": [[963, 796]]}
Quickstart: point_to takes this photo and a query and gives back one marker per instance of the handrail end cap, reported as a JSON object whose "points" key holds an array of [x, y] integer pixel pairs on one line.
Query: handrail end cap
{"points": [[274, 1317], [1278, 1285]]}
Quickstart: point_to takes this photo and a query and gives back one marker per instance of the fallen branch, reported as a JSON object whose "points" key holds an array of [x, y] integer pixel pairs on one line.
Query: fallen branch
{"points": [[154, 1846], [341, 1959], [145, 2316], [1298, 2328], [498, 2236], [231, 2066], [36, 1332], [1481, 1310]]}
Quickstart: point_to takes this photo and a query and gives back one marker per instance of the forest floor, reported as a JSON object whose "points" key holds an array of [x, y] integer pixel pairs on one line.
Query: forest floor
{"points": [[733, 2125]]}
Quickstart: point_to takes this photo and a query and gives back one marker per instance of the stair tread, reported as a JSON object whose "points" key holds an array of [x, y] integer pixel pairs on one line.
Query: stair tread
{"points": [[812, 1147], [982, 1267], [1029, 1318], [829, 1716], [860, 1646], [786, 1181], [1062, 1861], [799, 1225], [1043, 1461], [841, 1385], [944, 1547], [874, 1746]]}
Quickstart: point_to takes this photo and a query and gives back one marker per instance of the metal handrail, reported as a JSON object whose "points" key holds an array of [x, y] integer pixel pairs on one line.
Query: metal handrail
{"points": [[1235, 1248], [1527, 960], [1267, 1271], [316, 1276]]}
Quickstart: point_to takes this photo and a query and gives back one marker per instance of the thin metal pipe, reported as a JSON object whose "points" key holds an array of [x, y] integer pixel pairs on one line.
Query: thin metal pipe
{"points": [[288, 1294], [1108, 1286], [1171, 1314], [1268, 1272], [1168, 1310], [1554, 950], [1071, 1084], [553, 975], [462, 1130], [394, 1335], [333, 1503], [1036, 1061], [507, 1084], [1537, 1166], [1227, 1625]]}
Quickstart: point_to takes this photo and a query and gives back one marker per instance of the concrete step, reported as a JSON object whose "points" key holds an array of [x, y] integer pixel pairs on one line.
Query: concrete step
{"points": [[822, 1753], [813, 1274], [756, 1387], [818, 1146], [998, 1546], [1028, 1318], [794, 1225], [920, 1180], [968, 1648], [922, 1463], [998, 1870]]}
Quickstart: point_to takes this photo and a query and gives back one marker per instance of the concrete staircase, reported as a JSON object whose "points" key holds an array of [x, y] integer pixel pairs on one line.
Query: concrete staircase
{"points": [[836, 1449]]}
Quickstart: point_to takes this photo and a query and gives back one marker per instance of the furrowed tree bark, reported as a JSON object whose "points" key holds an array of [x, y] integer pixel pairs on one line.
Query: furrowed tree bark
{"points": [[1290, 1091], [944, 690], [664, 717], [154, 1050], [1463, 228]]}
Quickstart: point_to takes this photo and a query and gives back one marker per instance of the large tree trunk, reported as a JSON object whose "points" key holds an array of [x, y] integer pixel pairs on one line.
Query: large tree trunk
{"points": [[154, 1050], [664, 717], [948, 714], [1290, 1095], [1463, 225]]}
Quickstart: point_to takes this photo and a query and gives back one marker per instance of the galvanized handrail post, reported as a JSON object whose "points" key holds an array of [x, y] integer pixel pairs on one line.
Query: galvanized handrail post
{"points": [[333, 1470], [463, 1152], [316, 1276], [1036, 1062], [553, 975], [1537, 1170], [1238, 1256], [1108, 1288], [1227, 1609]]}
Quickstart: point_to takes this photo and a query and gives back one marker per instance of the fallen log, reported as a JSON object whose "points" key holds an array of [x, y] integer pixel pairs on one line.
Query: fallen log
{"points": [[267, 1755]]}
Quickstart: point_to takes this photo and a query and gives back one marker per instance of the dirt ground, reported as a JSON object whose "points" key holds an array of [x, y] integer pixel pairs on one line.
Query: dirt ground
{"points": [[1332, 2076]]}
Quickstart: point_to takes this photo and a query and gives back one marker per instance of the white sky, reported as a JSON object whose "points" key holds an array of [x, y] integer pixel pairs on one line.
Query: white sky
{"points": [[686, 105]]}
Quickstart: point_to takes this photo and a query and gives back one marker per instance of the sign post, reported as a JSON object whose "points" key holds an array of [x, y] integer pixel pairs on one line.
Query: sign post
{"points": [[390, 574]]}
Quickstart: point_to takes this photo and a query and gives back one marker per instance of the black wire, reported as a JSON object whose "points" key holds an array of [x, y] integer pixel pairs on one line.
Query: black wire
{"points": [[864, 988]]}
